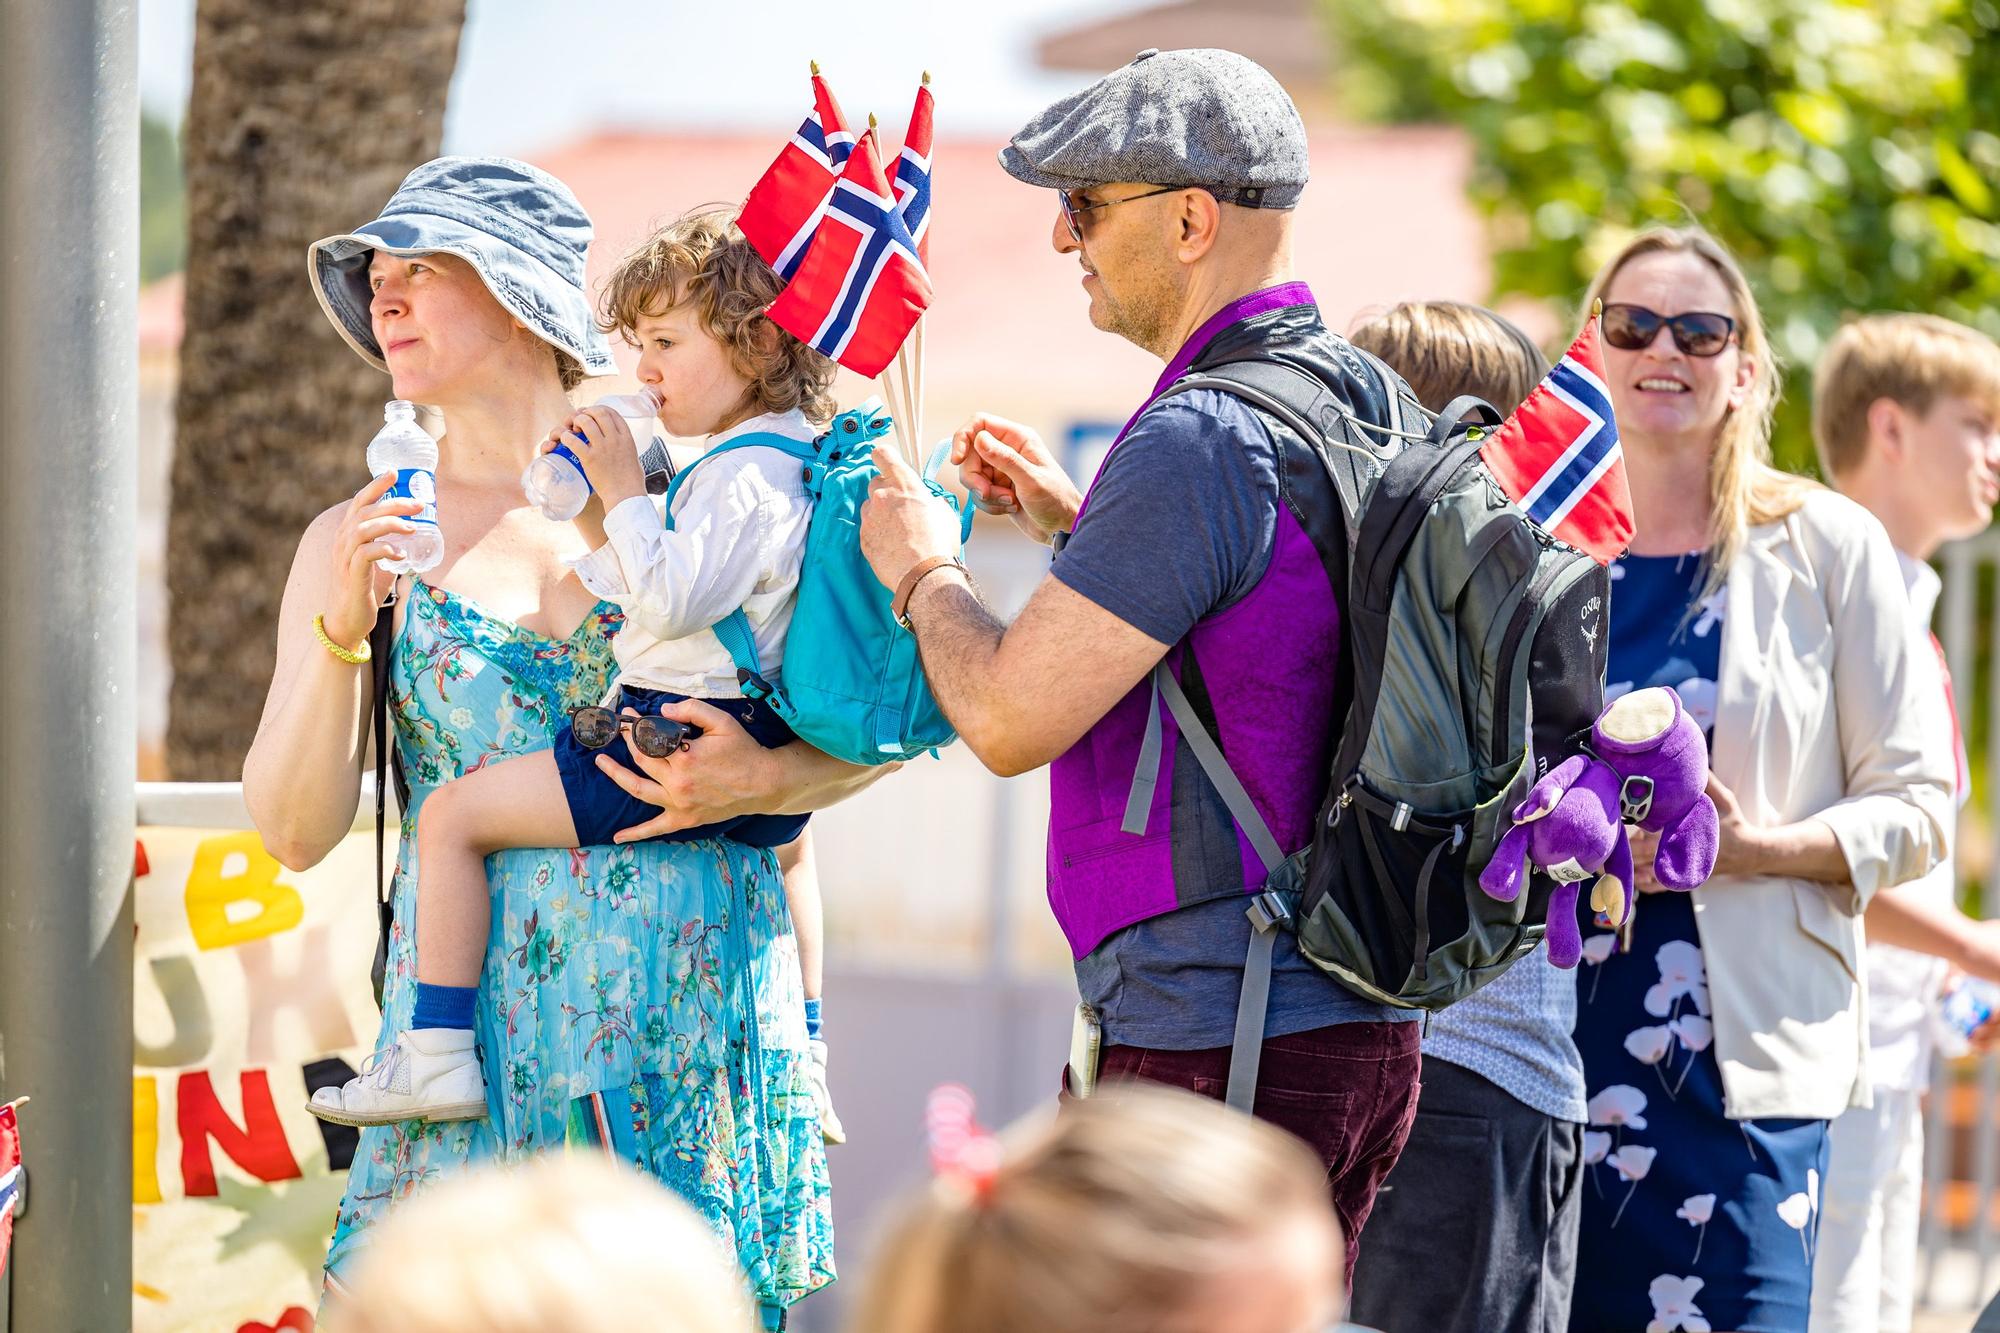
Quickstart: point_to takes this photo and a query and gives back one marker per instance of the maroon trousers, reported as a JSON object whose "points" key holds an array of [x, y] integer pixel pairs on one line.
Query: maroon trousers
{"points": [[1349, 1090]]}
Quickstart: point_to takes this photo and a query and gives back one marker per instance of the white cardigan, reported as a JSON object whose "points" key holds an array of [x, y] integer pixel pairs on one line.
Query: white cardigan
{"points": [[1829, 706]]}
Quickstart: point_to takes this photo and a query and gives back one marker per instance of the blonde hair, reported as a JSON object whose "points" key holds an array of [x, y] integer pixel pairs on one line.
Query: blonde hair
{"points": [[1913, 360], [568, 369], [563, 1244], [702, 259], [1113, 1219], [1443, 349], [1744, 489]]}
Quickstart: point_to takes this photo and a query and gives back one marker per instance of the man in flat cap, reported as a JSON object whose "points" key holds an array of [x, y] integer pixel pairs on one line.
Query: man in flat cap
{"points": [[1205, 544]]}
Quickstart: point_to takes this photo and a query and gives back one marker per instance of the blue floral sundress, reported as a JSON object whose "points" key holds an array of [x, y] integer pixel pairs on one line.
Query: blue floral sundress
{"points": [[1691, 1221], [642, 1000]]}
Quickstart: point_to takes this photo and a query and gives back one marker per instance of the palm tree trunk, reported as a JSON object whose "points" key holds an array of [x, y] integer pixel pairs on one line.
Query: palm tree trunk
{"points": [[302, 120]]}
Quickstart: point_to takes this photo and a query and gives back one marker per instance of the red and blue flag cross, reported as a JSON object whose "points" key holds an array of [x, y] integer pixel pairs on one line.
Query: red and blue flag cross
{"points": [[783, 207], [1558, 455], [913, 173], [862, 285]]}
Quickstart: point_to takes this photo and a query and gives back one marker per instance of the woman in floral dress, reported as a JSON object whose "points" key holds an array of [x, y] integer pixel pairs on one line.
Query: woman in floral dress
{"points": [[642, 1000], [1723, 1031]]}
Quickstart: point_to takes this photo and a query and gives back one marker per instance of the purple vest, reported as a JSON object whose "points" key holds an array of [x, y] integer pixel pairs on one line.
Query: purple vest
{"points": [[1267, 666]]}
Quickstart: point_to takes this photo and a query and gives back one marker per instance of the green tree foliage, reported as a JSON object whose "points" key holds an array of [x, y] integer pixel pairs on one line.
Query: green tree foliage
{"points": [[1848, 151], [162, 206]]}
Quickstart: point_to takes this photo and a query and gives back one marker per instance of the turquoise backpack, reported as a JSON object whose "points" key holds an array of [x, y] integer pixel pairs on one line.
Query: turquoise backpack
{"points": [[850, 684]]}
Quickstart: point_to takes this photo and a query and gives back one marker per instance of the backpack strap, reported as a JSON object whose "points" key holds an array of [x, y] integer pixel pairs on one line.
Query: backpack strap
{"points": [[1306, 404], [858, 426], [1312, 410], [388, 765], [806, 452], [734, 629], [1484, 416], [1268, 911]]}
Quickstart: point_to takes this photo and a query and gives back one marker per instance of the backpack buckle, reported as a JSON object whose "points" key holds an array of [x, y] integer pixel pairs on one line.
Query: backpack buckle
{"points": [[753, 684], [1268, 911]]}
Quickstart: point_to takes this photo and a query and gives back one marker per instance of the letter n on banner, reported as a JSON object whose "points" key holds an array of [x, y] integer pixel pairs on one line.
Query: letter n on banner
{"points": [[258, 1145]]}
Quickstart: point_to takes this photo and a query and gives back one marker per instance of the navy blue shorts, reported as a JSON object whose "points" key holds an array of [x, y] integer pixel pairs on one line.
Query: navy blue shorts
{"points": [[599, 807]]}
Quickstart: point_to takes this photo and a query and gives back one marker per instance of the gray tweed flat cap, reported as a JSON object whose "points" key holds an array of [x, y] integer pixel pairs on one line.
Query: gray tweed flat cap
{"points": [[1198, 117]]}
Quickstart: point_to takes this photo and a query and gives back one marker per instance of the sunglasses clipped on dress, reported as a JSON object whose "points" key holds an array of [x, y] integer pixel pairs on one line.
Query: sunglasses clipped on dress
{"points": [[1632, 328], [655, 737]]}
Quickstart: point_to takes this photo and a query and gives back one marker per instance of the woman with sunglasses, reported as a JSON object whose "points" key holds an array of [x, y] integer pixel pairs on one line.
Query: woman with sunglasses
{"points": [[643, 999], [1722, 1030]]}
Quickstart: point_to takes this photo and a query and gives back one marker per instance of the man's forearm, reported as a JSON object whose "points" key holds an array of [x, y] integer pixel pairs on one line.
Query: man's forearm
{"points": [[958, 637]]}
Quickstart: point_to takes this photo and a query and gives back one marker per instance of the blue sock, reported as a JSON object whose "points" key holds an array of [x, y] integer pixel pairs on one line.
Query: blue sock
{"points": [[444, 1006], [812, 1020]]}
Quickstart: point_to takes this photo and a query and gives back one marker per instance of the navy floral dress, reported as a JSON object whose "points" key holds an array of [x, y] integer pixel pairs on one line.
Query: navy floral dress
{"points": [[1691, 1221], [640, 1000]]}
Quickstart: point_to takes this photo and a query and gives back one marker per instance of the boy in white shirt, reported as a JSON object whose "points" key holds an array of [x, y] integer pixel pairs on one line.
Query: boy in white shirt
{"points": [[1906, 416], [692, 300]]}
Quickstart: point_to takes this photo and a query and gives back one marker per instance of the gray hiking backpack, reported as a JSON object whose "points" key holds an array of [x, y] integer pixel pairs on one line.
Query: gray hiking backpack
{"points": [[1473, 655]]}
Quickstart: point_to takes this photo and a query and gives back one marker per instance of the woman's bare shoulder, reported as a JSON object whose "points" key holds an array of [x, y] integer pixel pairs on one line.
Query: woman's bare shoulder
{"points": [[316, 542]]}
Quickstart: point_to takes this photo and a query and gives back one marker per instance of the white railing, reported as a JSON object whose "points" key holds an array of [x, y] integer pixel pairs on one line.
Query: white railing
{"points": [[1958, 1255]]}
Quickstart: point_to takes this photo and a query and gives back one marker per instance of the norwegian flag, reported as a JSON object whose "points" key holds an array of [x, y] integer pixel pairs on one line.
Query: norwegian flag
{"points": [[784, 205], [861, 287], [913, 173], [1558, 455], [10, 1176]]}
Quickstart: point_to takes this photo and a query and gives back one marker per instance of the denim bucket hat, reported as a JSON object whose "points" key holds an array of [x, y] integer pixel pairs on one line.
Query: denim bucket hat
{"points": [[520, 228]]}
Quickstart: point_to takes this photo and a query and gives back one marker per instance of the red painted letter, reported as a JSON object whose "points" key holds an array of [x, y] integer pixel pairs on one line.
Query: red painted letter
{"points": [[258, 1147]]}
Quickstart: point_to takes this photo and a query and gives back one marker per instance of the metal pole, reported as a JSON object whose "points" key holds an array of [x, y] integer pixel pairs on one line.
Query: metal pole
{"points": [[69, 233]]}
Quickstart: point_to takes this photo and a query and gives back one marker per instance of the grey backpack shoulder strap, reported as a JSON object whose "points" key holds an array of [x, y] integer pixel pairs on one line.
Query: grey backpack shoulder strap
{"points": [[1352, 450], [1267, 912]]}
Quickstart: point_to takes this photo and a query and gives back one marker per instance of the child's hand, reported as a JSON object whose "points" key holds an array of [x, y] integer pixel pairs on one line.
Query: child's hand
{"points": [[603, 444]]}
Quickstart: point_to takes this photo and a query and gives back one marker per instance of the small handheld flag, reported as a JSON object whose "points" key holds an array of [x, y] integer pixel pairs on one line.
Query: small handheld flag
{"points": [[1558, 456], [861, 286], [11, 1178], [913, 172], [783, 207]]}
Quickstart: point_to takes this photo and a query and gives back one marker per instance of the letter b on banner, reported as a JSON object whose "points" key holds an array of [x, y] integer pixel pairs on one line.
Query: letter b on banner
{"points": [[233, 894]]}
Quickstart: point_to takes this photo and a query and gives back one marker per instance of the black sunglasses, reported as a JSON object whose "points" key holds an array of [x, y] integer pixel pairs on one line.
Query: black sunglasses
{"points": [[656, 737], [1632, 328], [1073, 212]]}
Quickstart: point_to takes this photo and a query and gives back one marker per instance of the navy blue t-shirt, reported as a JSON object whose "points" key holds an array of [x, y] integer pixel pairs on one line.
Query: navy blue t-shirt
{"points": [[1180, 524]]}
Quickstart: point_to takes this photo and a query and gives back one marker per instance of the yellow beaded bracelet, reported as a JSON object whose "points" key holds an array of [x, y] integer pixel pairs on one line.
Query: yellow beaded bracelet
{"points": [[349, 656]]}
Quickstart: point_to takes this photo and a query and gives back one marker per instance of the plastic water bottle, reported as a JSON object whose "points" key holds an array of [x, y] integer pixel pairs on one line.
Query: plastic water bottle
{"points": [[402, 447], [555, 482], [1968, 1007]]}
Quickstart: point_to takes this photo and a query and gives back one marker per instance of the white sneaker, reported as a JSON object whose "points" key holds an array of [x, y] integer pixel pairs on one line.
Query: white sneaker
{"points": [[830, 1128], [425, 1074]]}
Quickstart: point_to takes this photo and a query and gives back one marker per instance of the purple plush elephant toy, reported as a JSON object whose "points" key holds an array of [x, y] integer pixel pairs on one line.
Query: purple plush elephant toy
{"points": [[1648, 765]]}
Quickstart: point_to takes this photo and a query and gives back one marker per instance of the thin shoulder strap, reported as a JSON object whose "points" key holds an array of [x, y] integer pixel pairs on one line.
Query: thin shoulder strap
{"points": [[804, 450], [381, 643]]}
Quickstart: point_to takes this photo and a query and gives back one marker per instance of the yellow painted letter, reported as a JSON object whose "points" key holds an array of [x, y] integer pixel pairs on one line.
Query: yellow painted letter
{"points": [[233, 871], [145, 1140]]}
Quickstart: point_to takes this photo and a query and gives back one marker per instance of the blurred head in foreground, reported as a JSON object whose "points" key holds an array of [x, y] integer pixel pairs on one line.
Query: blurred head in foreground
{"points": [[563, 1244], [1142, 1209]]}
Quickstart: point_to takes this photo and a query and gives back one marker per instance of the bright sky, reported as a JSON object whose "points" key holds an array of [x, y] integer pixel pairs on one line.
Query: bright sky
{"points": [[530, 74]]}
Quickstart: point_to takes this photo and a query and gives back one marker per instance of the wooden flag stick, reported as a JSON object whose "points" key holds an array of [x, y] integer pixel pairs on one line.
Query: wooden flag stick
{"points": [[888, 386], [920, 374], [914, 436]]}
